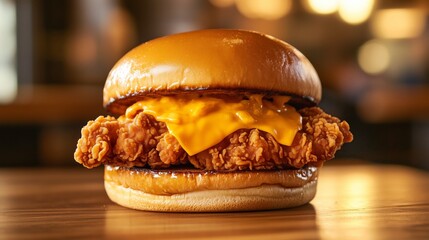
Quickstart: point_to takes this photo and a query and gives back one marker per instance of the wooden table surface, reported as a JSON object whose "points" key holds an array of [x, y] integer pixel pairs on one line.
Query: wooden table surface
{"points": [[353, 202]]}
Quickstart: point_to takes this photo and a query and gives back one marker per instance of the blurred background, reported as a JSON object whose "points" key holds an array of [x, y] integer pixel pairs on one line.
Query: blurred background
{"points": [[371, 56]]}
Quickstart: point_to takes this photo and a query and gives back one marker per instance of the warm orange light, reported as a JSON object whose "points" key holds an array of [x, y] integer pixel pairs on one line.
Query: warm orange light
{"points": [[355, 11], [398, 23], [264, 9], [351, 193], [322, 6]]}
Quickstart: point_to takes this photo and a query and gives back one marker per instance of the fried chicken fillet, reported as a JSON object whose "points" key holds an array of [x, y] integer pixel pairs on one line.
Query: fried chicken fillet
{"points": [[144, 141]]}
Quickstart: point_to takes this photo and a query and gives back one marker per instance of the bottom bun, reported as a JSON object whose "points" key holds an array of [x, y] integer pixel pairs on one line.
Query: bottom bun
{"points": [[207, 196]]}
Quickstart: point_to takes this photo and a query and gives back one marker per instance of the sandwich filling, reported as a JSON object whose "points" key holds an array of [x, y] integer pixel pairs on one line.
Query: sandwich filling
{"points": [[222, 134], [218, 117]]}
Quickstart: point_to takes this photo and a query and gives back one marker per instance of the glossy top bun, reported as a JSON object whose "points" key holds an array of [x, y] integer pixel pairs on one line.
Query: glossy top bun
{"points": [[211, 61]]}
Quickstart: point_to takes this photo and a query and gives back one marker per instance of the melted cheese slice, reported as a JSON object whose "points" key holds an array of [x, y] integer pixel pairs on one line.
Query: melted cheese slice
{"points": [[199, 123]]}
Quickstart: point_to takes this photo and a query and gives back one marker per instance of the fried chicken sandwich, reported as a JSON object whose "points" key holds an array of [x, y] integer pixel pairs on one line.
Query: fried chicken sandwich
{"points": [[212, 121]]}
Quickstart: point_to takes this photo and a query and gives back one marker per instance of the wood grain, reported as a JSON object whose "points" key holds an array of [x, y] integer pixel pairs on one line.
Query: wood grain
{"points": [[353, 202]]}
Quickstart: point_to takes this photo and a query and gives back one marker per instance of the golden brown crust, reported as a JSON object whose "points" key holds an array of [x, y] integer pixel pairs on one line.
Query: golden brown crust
{"points": [[198, 191], [210, 61]]}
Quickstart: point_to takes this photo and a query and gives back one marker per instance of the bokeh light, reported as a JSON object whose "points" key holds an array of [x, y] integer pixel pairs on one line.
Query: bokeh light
{"points": [[8, 75], [398, 23], [322, 6], [355, 11], [374, 57], [264, 9]]}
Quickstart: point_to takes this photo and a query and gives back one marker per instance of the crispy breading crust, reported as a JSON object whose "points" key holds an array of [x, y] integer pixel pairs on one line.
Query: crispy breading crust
{"points": [[143, 141]]}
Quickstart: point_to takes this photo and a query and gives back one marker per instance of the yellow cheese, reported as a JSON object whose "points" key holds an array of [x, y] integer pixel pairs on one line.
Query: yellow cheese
{"points": [[199, 123]]}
